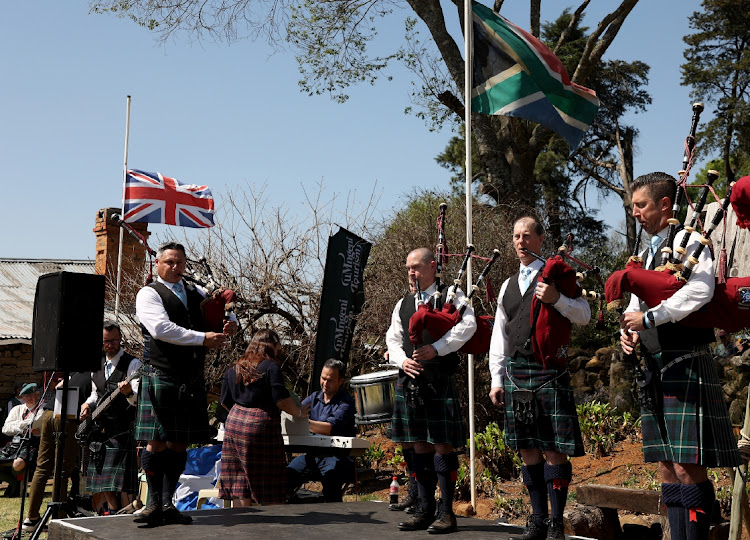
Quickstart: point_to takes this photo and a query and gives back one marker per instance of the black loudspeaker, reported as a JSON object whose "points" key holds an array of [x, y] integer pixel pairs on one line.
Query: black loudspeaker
{"points": [[68, 321]]}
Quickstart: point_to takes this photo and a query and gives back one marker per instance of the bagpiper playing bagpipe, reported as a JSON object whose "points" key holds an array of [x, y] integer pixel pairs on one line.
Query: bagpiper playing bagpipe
{"points": [[528, 364], [427, 418], [685, 422]]}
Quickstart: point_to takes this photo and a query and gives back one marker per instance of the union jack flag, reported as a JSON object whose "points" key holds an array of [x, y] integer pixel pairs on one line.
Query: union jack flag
{"points": [[155, 198]]}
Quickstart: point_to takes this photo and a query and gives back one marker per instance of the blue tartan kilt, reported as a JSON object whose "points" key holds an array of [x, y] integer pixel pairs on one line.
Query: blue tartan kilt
{"points": [[439, 421], [693, 423], [170, 409], [556, 426]]}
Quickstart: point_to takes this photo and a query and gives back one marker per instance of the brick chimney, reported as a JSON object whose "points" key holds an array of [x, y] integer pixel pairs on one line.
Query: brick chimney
{"points": [[133, 256]]}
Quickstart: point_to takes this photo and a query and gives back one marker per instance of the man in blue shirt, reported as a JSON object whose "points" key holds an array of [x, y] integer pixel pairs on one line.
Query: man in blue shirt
{"points": [[331, 413]]}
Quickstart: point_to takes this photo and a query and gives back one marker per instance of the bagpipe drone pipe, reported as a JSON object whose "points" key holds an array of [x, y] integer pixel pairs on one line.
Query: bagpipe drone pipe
{"points": [[219, 302], [728, 309]]}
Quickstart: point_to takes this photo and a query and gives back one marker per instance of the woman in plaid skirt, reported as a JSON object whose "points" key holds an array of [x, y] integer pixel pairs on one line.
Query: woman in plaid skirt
{"points": [[685, 421], [253, 462]]}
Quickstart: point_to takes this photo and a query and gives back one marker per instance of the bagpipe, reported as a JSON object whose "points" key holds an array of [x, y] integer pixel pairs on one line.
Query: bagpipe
{"points": [[437, 322], [729, 308], [428, 321], [219, 302], [550, 331]]}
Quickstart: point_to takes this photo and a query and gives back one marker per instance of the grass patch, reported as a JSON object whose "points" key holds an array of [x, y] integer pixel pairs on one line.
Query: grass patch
{"points": [[10, 508]]}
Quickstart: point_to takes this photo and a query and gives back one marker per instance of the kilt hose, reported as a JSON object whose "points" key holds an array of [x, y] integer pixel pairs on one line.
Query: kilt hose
{"points": [[556, 426], [113, 466], [438, 421], [693, 423], [253, 462], [172, 409]]}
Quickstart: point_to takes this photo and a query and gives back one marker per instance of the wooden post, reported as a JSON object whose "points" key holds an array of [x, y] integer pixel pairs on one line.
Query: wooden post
{"points": [[739, 499]]}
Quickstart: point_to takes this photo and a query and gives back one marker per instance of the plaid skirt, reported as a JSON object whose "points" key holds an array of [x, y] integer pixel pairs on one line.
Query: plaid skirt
{"points": [[169, 411], [253, 462], [556, 426], [112, 466], [438, 421], [693, 425]]}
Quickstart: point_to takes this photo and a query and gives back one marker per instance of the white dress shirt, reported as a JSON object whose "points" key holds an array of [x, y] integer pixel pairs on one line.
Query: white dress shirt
{"points": [[134, 366], [696, 293], [16, 423], [453, 340], [576, 310], [151, 313]]}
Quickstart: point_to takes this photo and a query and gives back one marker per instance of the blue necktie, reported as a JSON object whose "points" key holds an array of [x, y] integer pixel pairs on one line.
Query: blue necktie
{"points": [[525, 279], [179, 290], [107, 369], [655, 242]]}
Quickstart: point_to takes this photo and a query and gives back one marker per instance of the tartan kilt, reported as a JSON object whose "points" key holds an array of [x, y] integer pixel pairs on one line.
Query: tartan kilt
{"points": [[694, 426], [439, 421], [165, 415], [556, 427], [253, 461], [113, 467]]}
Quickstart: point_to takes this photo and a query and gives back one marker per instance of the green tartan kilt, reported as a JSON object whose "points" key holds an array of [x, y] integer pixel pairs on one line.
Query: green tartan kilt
{"points": [[114, 467], [556, 426], [167, 414], [694, 426], [439, 421]]}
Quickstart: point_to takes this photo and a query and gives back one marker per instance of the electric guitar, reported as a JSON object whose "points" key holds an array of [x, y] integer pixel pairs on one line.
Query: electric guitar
{"points": [[86, 427]]}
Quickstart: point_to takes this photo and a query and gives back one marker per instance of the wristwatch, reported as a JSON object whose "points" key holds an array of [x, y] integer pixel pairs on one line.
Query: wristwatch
{"points": [[650, 317]]}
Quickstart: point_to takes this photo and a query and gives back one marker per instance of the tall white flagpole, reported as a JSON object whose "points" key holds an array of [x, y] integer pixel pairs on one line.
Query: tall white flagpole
{"points": [[468, 64], [122, 215]]}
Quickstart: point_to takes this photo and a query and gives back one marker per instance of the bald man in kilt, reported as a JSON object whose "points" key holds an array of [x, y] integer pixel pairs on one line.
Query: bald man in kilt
{"points": [[684, 419], [541, 422], [172, 405], [426, 413]]}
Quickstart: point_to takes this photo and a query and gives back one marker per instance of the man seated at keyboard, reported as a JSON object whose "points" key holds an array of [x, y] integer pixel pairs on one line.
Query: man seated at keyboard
{"points": [[331, 413]]}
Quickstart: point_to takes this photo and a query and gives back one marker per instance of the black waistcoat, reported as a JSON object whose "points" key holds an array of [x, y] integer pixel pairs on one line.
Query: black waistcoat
{"points": [[445, 365], [119, 414], [671, 336], [181, 361], [518, 310]]}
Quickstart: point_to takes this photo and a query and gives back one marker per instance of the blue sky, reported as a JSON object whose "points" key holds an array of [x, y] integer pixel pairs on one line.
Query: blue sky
{"points": [[227, 115]]}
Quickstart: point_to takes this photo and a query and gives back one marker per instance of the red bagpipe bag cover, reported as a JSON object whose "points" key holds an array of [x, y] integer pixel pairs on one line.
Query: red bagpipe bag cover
{"points": [[551, 335], [438, 323], [214, 306]]}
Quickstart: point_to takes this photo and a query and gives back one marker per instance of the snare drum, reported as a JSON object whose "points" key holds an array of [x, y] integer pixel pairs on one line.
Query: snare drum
{"points": [[374, 393]]}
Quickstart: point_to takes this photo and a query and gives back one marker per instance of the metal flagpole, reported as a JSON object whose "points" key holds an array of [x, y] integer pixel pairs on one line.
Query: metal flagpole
{"points": [[122, 215], [468, 55]]}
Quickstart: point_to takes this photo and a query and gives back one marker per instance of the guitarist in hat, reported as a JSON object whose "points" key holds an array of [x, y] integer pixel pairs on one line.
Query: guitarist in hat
{"points": [[112, 464]]}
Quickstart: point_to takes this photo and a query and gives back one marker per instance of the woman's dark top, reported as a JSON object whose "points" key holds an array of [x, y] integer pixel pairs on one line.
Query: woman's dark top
{"points": [[261, 394]]}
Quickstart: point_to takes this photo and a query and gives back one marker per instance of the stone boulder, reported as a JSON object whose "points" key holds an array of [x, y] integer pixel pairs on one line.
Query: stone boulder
{"points": [[593, 522]]}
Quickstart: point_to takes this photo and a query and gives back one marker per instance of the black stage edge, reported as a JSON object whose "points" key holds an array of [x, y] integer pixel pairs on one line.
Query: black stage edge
{"points": [[353, 520]]}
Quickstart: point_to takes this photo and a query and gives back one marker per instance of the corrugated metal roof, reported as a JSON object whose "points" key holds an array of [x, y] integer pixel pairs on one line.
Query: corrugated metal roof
{"points": [[18, 279]]}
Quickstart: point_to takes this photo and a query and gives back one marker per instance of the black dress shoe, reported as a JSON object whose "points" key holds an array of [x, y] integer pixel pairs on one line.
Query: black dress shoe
{"points": [[536, 529], [172, 516], [151, 515], [445, 523], [555, 529], [403, 505], [420, 521]]}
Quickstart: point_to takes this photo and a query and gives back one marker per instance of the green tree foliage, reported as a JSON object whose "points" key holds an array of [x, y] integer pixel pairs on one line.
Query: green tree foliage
{"points": [[336, 48], [717, 67]]}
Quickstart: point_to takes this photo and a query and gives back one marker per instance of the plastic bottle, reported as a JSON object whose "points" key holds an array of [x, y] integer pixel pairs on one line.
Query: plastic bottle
{"points": [[394, 491]]}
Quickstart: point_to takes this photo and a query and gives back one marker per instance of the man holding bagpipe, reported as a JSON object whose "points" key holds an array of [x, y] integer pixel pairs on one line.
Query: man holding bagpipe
{"points": [[528, 364], [172, 398], [684, 418], [426, 413]]}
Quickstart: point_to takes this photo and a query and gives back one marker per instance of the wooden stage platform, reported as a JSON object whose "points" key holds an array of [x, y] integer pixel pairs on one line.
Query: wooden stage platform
{"points": [[293, 521]]}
